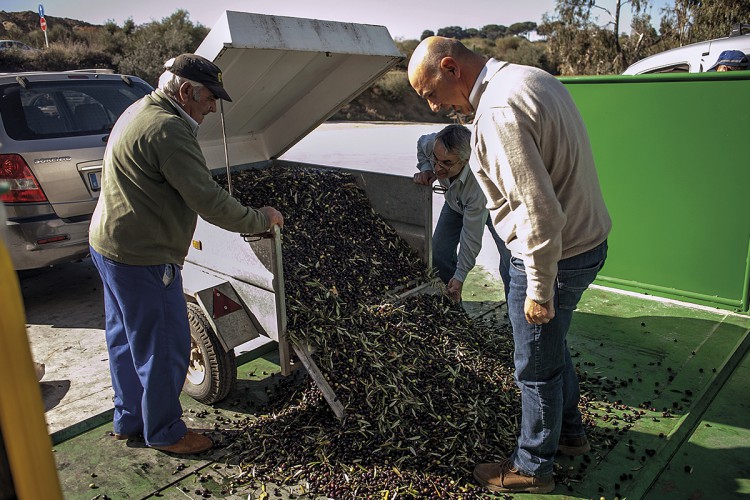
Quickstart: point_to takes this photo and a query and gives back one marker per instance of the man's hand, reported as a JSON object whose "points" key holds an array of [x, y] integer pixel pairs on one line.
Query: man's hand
{"points": [[454, 289], [274, 216], [426, 178], [538, 314]]}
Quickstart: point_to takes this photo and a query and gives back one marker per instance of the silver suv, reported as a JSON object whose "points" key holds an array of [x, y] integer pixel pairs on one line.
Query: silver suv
{"points": [[53, 130]]}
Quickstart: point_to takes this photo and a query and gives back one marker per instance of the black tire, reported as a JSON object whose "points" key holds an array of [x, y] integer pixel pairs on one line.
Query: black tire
{"points": [[212, 372]]}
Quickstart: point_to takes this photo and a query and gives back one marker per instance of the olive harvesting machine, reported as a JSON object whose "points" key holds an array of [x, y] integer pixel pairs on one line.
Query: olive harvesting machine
{"points": [[285, 76]]}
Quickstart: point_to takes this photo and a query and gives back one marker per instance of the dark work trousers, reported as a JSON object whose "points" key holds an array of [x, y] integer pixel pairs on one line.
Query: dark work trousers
{"points": [[148, 339], [445, 241]]}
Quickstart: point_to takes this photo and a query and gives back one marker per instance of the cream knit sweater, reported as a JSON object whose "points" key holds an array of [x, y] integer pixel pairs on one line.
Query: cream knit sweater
{"points": [[531, 155]]}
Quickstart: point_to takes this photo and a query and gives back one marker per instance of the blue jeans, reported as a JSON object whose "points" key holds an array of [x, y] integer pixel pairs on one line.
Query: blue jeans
{"points": [[544, 371], [148, 339], [445, 242]]}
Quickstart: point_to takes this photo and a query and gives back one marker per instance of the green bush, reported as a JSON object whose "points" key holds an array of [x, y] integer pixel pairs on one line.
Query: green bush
{"points": [[13, 60], [151, 44], [481, 46], [530, 54], [59, 57], [503, 45], [406, 47], [392, 86]]}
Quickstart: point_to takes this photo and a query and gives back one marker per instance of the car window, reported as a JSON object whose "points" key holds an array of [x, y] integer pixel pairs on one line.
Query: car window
{"points": [[65, 109], [12, 44], [675, 68]]}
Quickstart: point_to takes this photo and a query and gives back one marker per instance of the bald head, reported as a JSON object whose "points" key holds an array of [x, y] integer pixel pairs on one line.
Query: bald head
{"points": [[425, 61], [443, 71]]}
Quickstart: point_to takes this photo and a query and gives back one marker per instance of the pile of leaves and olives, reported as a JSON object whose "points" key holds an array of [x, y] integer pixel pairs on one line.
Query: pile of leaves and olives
{"points": [[428, 391]]}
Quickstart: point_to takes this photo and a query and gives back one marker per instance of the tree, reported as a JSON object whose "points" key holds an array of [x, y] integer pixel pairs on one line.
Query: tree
{"points": [[471, 33], [698, 20], [115, 38], [493, 31], [151, 44], [456, 32], [643, 40], [426, 34], [580, 45], [521, 28]]}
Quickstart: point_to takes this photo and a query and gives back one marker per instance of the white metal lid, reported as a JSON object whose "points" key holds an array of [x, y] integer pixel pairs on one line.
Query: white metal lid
{"points": [[285, 76]]}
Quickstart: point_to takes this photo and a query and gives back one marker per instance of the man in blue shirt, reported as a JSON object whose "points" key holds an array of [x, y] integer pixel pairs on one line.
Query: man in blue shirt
{"points": [[444, 156]]}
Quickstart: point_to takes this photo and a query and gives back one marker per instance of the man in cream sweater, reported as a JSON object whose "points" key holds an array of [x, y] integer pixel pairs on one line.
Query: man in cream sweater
{"points": [[532, 157]]}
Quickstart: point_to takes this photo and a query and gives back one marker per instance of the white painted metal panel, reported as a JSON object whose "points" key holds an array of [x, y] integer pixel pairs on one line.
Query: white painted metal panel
{"points": [[228, 253], [286, 76]]}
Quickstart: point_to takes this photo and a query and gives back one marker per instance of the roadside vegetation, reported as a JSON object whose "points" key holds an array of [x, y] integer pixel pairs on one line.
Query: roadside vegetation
{"points": [[131, 49], [581, 37]]}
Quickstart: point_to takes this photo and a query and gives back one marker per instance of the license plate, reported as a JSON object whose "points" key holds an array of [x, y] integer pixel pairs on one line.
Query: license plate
{"points": [[94, 181]]}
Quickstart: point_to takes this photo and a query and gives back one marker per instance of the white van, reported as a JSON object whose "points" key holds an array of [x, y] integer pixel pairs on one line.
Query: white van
{"points": [[693, 58]]}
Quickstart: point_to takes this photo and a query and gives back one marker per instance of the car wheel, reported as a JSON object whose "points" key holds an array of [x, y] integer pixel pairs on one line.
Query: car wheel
{"points": [[212, 371]]}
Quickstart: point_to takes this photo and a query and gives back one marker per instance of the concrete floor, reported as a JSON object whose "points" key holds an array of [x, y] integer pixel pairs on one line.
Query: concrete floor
{"points": [[65, 326]]}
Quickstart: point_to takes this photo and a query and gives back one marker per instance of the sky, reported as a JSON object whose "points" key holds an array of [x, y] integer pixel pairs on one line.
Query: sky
{"points": [[405, 19]]}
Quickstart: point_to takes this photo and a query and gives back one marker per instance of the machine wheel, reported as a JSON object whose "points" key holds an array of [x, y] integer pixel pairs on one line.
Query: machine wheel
{"points": [[212, 372]]}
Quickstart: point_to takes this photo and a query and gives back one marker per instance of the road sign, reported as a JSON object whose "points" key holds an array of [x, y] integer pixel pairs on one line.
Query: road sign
{"points": [[41, 10], [43, 23]]}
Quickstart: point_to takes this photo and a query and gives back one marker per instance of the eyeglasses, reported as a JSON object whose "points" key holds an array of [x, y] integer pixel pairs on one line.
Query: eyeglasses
{"points": [[439, 189], [447, 164]]}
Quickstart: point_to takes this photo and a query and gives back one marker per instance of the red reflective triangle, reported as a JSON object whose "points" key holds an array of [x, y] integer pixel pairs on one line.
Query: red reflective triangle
{"points": [[223, 305]]}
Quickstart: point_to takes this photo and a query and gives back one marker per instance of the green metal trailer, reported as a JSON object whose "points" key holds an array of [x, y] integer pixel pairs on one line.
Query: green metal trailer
{"points": [[672, 156]]}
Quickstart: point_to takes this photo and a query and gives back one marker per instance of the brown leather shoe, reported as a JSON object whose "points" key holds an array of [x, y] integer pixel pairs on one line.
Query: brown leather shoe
{"points": [[121, 437], [504, 477], [189, 444], [573, 446]]}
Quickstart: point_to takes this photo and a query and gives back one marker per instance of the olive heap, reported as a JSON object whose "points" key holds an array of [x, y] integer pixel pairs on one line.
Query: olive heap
{"points": [[333, 242], [428, 392]]}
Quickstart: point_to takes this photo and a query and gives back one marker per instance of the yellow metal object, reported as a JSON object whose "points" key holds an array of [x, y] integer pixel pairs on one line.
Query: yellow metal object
{"points": [[27, 443]]}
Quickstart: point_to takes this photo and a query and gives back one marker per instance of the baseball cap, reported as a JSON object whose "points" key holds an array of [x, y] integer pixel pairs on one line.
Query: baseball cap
{"points": [[199, 69], [734, 58]]}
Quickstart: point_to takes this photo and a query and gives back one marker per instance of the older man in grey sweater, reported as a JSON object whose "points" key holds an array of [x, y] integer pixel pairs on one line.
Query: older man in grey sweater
{"points": [[155, 183]]}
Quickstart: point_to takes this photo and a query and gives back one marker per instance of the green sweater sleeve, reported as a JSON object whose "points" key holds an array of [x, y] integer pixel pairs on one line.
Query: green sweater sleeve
{"points": [[154, 185], [184, 168]]}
